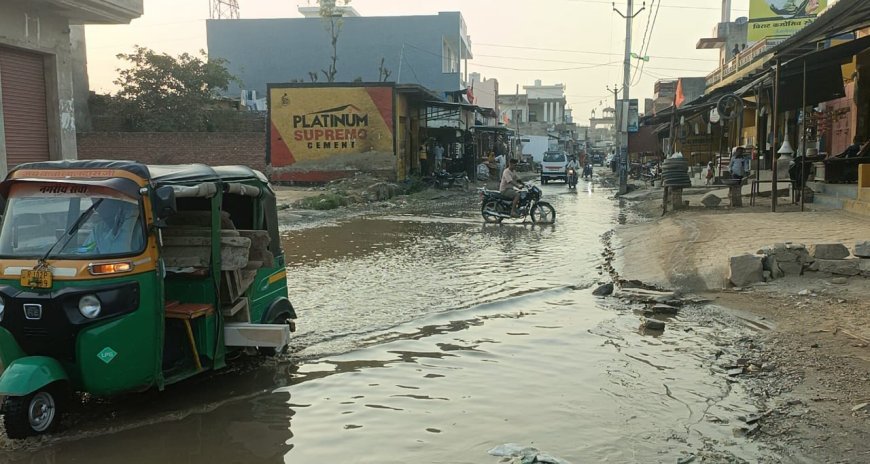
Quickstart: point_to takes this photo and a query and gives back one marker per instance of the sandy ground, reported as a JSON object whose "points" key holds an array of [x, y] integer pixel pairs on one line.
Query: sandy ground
{"points": [[809, 368]]}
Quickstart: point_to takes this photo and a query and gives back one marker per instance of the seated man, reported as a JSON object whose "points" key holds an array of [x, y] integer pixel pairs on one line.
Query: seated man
{"points": [[116, 229], [510, 181]]}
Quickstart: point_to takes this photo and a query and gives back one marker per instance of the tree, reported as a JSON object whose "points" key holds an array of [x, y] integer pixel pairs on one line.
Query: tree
{"points": [[383, 72], [164, 93], [332, 15]]}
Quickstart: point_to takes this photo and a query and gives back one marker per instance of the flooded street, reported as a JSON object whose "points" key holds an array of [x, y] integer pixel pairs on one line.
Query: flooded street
{"points": [[432, 337]]}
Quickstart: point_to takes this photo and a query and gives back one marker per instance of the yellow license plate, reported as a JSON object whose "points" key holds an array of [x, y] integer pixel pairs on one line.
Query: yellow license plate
{"points": [[34, 278]]}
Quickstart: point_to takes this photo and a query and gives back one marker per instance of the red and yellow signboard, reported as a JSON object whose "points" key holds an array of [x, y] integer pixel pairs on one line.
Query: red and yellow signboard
{"points": [[311, 124]]}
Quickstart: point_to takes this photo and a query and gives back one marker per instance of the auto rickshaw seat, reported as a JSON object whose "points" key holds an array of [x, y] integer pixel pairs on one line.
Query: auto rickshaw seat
{"points": [[187, 312]]}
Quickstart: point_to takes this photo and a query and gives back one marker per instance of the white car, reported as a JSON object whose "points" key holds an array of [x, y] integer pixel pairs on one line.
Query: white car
{"points": [[554, 166]]}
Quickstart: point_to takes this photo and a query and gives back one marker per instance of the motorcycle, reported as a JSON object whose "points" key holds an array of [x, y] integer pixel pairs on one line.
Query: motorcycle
{"points": [[572, 178], [445, 180], [495, 208], [587, 171]]}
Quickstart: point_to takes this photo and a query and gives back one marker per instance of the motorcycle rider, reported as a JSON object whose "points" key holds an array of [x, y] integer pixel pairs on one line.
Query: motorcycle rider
{"points": [[510, 181], [572, 164]]}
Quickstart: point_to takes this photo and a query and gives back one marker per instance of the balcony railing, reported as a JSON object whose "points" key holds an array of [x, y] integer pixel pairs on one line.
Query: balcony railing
{"points": [[743, 59]]}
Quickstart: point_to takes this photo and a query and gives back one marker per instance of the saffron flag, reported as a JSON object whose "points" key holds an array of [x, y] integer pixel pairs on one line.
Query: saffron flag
{"points": [[679, 98]]}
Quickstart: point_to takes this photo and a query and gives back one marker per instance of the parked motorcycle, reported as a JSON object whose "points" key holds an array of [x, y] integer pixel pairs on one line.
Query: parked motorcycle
{"points": [[572, 178], [587, 171], [445, 180], [495, 208]]}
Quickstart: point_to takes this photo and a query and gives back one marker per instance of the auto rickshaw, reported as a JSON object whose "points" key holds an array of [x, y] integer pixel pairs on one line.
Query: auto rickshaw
{"points": [[118, 277]]}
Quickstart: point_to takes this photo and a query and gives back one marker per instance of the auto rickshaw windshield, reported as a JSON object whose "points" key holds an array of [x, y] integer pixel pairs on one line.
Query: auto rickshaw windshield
{"points": [[79, 221]]}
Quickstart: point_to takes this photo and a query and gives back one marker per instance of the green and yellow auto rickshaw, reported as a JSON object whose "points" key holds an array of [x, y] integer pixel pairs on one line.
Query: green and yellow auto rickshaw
{"points": [[117, 276]]}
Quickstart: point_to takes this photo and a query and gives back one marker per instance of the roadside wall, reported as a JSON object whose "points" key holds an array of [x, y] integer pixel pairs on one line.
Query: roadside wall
{"points": [[213, 148]]}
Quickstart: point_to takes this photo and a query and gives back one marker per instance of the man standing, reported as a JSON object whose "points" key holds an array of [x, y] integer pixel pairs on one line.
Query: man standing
{"points": [[501, 163], [509, 180], [739, 165], [439, 156]]}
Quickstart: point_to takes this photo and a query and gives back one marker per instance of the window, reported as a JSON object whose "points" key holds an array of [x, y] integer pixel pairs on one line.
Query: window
{"points": [[533, 116], [449, 57], [71, 221], [554, 157]]}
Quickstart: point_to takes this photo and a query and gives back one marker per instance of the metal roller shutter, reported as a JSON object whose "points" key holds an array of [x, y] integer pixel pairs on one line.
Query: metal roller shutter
{"points": [[22, 81]]}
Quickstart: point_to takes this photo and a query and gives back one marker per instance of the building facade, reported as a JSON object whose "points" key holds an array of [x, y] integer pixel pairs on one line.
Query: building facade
{"points": [[37, 96], [546, 102], [427, 50]]}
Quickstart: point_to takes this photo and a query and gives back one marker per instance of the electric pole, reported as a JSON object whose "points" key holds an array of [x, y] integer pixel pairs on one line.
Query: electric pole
{"points": [[616, 125], [622, 138]]}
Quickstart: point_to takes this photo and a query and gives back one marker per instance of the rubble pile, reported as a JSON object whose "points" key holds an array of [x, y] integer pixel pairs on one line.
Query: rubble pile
{"points": [[795, 259]]}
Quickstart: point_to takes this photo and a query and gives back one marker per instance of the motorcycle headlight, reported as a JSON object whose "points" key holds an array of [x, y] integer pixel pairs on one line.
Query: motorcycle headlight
{"points": [[2, 308], [89, 306]]}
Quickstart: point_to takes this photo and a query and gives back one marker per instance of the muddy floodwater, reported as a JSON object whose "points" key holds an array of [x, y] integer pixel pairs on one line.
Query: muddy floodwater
{"points": [[430, 337]]}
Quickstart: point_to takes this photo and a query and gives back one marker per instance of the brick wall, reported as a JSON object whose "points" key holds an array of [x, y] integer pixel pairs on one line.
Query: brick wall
{"points": [[212, 148]]}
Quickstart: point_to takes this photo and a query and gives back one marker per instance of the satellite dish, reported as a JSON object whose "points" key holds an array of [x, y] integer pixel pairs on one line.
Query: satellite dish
{"points": [[729, 106]]}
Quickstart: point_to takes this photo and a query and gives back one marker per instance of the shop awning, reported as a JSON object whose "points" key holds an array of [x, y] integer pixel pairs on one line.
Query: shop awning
{"points": [[502, 129]]}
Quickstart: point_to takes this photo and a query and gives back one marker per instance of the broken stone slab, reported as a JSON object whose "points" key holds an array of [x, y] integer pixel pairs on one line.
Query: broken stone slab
{"points": [[710, 200], [745, 269], [829, 251], [770, 264], [603, 290], [864, 267], [847, 267], [793, 269], [653, 324], [862, 249], [663, 309]]}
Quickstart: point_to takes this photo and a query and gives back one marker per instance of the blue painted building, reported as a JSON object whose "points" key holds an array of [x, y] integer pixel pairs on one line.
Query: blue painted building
{"points": [[427, 50]]}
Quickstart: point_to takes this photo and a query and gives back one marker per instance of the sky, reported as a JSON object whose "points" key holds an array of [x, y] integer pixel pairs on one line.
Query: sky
{"points": [[579, 43]]}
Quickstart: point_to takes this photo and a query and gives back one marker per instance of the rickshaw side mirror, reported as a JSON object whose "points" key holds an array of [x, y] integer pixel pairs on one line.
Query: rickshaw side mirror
{"points": [[164, 202]]}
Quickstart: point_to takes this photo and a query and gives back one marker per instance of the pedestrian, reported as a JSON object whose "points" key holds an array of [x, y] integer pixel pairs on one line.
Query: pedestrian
{"points": [[710, 172], [424, 158], [501, 163], [739, 165], [438, 151]]}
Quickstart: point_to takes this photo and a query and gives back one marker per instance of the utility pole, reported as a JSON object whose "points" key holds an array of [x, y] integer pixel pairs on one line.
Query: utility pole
{"points": [[616, 125], [626, 85]]}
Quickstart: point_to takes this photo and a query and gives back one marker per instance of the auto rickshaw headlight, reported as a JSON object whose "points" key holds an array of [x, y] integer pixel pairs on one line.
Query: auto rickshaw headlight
{"points": [[89, 306]]}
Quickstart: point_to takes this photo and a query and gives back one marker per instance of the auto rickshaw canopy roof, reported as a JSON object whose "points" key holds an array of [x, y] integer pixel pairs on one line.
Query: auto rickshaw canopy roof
{"points": [[170, 174]]}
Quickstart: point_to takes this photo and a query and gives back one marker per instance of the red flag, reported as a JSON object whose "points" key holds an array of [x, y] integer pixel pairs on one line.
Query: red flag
{"points": [[679, 98]]}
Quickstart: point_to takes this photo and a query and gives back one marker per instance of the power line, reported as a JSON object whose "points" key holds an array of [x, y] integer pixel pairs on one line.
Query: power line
{"points": [[643, 42], [648, 42], [682, 58], [682, 7]]}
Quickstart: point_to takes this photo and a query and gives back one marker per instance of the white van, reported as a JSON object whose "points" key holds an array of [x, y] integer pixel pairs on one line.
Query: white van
{"points": [[554, 166]]}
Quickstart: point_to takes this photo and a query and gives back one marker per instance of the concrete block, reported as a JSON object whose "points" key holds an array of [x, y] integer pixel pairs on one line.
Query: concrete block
{"points": [[848, 267], [710, 200], [791, 269], [862, 249], [772, 266], [829, 251], [745, 269]]}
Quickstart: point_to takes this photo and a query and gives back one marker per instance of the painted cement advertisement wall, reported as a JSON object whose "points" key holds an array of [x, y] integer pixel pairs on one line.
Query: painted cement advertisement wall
{"points": [[321, 132], [781, 18]]}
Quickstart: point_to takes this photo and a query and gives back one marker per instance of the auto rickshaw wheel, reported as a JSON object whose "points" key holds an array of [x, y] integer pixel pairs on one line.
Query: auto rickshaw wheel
{"points": [[33, 414]]}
